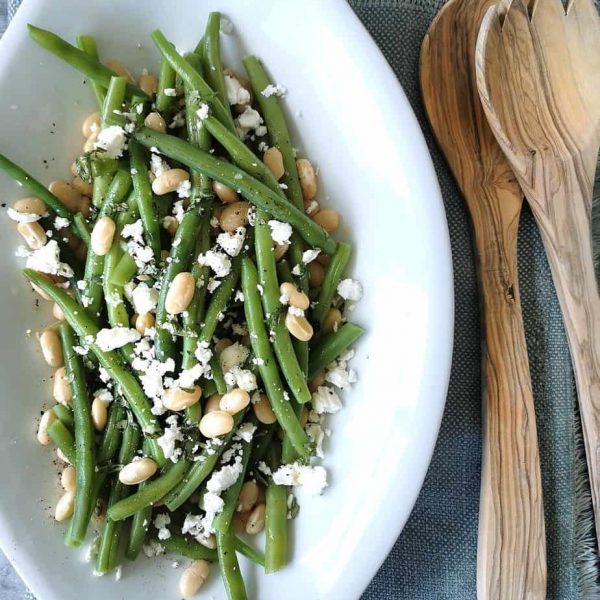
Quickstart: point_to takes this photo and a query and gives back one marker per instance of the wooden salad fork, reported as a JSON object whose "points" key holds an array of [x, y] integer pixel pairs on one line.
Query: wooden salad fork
{"points": [[539, 83], [512, 546]]}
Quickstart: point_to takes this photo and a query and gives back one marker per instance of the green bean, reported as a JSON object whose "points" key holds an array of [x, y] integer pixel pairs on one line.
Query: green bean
{"points": [[155, 451], [63, 439], [219, 301], [181, 257], [209, 388], [262, 439], [249, 552], [178, 544], [145, 198], [36, 188], [88, 44], [192, 78], [230, 568], [199, 471], [166, 81], [123, 271], [268, 369], [113, 103], [151, 493], [222, 522], [100, 187], [78, 59], [94, 265], [139, 528], [252, 189], [111, 437], [275, 528], [288, 452], [111, 532], [244, 158], [212, 57], [83, 228], [326, 350], [83, 324], [85, 460], [218, 377], [64, 414], [334, 273]]}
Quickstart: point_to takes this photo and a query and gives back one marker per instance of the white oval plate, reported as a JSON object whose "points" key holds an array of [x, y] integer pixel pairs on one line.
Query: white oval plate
{"points": [[353, 120]]}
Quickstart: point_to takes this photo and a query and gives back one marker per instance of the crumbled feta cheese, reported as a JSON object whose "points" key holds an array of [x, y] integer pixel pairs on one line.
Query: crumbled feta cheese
{"points": [[309, 255], [183, 189], [134, 231], [280, 232], [118, 572], [316, 435], [350, 289], [340, 376], [244, 379], [213, 284], [116, 337], [312, 479], [160, 522], [233, 356], [251, 216], [104, 395], [236, 93], [246, 432], [203, 112], [274, 90], [112, 140], [297, 312], [172, 434], [21, 217], [297, 270], [284, 299], [250, 119], [225, 477], [203, 353], [178, 211], [188, 377], [325, 400], [226, 25], [47, 260], [217, 261], [153, 548], [239, 296], [232, 243], [172, 92], [144, 298], [158, 165], [60, 223], [312, 207]]}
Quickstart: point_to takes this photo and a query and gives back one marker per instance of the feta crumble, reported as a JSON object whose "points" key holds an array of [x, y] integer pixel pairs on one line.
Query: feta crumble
{"points": [[350, 289], [47, 260], [21, 217], [217, 261], [112, 140], [236, 92], [144, 298], [325, 400], [116, 337], [232, 243], [280, 232], [309, 255], [172, 434], [274, 90], [312, 479]]}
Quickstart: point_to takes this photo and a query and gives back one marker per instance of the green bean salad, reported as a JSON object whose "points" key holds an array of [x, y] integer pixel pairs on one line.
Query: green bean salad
{"points": [[201, 327]]}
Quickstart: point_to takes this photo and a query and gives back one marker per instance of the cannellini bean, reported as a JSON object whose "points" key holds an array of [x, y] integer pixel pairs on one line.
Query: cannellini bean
{"points": [[240, 520], [234, 401], [210, 541], [103, 235], [156, 122], [180, 293], [90, 143], [91, 124], [85, 209], [120, 69], [323, 259], [224, 193], [316, 274], [233, 216], [193, 578], [62, 456], [68, 478], [62, 387], [216, 423], [177, 399], [169, 181], [332, 320], [40, 291], [65, 506], [137, 471], [212, 404], [144, 322], [328, 219], [33, 234], [317, 381], [274, 160], [67, 194], [299, 327], [148, 84], [82, 186], [99, 414], [295, 296], [308, 178], [57, 312], [248, 496], [263, 411], [222, 344], [280, 251], [51, 348], [304, 417], [170, 224], [30, 206], [42, 433], [256, 520]]}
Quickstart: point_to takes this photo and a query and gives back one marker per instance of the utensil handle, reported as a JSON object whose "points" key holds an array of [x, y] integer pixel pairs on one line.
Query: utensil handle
{"points": [[511, 554], [565, 224]]}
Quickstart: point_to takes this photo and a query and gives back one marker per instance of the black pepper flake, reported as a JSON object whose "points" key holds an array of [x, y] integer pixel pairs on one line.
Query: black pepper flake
{"points": [[3, 205]]}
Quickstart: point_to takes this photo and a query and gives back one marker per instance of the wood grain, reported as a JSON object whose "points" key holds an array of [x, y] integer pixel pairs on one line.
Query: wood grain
{"points": [[512, 547], [534, 83]]}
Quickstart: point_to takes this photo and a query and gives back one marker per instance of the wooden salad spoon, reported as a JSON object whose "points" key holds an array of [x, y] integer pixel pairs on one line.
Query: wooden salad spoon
{"points": [[539, 83], [511, 560]]}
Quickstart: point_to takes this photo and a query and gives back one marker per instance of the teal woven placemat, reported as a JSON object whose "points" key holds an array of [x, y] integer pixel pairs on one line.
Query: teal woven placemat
{"points": [[435, 556]]}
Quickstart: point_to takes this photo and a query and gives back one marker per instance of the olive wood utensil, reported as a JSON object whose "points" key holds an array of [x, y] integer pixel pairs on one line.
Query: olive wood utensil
{"points": [[539, 83], [511, 556]]}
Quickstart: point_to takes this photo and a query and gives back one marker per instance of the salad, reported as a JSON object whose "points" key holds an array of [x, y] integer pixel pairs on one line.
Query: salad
{"points": [[201, 308]]}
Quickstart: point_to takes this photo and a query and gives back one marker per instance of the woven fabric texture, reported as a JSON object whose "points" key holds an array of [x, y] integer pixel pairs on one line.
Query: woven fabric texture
{"points": [[435, 556]]}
